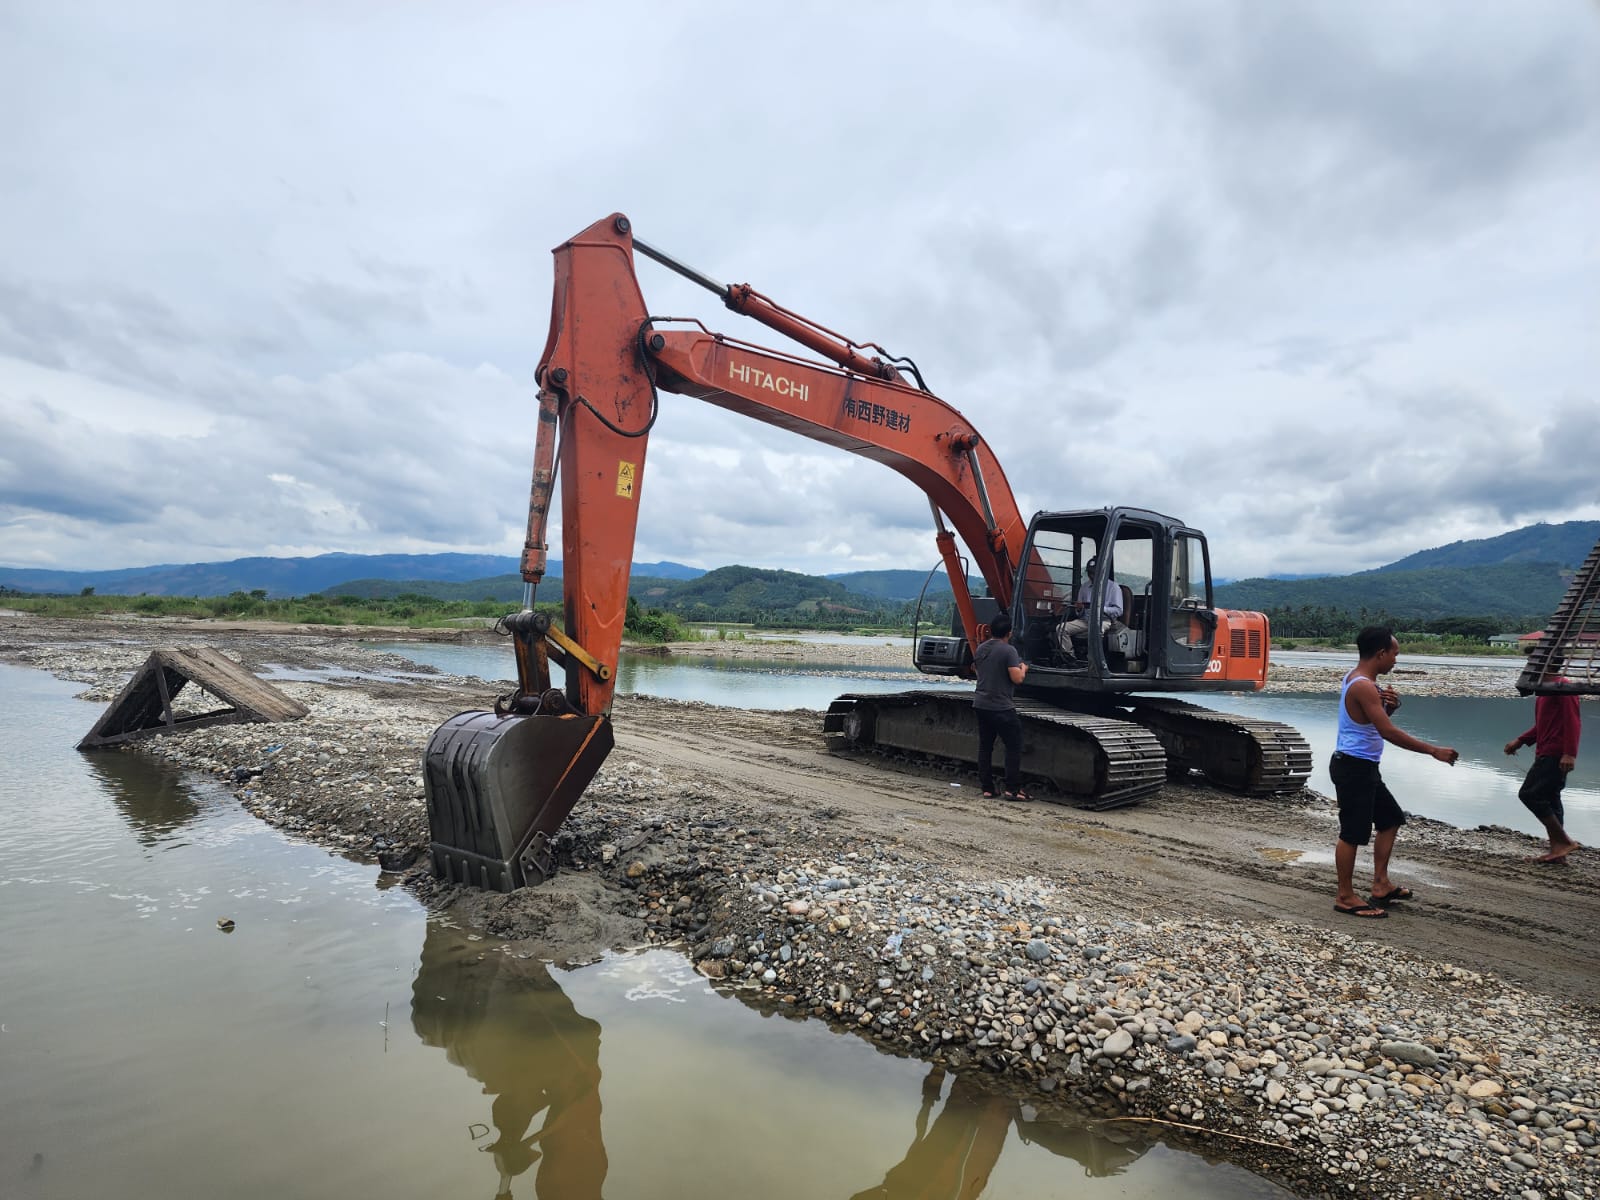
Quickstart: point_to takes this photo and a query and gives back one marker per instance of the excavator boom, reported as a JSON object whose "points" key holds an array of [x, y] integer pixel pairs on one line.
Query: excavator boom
{"points": [[604, 365]]}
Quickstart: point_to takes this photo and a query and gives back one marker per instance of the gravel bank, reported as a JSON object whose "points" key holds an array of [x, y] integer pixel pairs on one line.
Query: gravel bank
{"points": [[1415, 676], [1171, 961]]}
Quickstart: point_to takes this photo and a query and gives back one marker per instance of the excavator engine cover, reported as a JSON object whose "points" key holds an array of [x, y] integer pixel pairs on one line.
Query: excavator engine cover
{"points": [[498, 788]]}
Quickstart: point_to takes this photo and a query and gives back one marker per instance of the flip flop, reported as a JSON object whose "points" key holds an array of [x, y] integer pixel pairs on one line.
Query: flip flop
{"points": [[1366, 912], [988, 795], [1399, 893], [1019, 794]]}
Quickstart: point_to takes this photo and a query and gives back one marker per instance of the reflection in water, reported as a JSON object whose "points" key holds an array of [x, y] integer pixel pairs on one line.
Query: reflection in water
{"points": [[953, 1159], [152, 797], [509, 1025]]}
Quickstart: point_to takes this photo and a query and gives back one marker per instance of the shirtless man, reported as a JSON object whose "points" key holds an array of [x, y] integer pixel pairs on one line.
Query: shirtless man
{"points": [[1365, 803]]}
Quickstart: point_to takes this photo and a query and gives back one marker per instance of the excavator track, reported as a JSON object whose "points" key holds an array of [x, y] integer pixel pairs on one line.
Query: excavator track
{"points": [[1241, 754], [1095, 762]]}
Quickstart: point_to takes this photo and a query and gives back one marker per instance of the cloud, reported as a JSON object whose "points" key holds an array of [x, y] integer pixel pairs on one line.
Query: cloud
{"points": [[1429, 117], [1318, 279]]}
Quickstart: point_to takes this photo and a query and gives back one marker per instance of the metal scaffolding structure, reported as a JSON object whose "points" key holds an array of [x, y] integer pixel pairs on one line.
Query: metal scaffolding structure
{"points": [[1567, 656]]}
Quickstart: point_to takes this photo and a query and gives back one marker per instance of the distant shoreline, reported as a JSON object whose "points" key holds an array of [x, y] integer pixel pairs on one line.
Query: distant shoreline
{"points": [[1419, 675]]}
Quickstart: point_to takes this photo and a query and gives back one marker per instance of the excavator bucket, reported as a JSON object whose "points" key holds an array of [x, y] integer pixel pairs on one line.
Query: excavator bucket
{"points": [[498, 788]]}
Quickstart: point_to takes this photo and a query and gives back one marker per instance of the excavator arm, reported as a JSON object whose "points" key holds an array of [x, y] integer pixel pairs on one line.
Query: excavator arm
{"points": [[500, 784], [604, 365]]}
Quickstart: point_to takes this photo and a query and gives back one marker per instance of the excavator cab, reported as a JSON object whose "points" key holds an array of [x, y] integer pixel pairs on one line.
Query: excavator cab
{"points": [[1111, 598], [1146, 611]]}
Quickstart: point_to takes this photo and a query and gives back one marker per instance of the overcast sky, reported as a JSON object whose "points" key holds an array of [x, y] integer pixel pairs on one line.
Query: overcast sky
{"points": [[1322, 279]]}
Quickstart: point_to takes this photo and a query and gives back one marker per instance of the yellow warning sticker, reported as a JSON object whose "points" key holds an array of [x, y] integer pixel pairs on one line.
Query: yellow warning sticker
{"points": [[626, 472]]}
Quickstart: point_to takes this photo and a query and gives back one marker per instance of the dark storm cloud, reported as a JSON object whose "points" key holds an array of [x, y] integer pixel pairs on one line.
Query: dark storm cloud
{"points": [[115, 326], [1376, 127], [1382, 482], [1020, 293], [37, 474], [126, 335], [1508, 469], [384, 297]]}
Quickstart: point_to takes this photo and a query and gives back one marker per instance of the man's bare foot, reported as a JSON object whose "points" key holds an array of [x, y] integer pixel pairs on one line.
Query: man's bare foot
{"points": [[1557, 854]]}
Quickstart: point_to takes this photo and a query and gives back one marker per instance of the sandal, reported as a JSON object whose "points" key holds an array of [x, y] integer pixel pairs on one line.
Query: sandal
{"points": [[1019, 794], [1369, 912], [988, 795], [1390, 897]]}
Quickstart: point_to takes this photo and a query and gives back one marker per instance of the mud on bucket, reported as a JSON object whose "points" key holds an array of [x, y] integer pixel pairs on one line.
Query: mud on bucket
{"points": [[498, 788]]}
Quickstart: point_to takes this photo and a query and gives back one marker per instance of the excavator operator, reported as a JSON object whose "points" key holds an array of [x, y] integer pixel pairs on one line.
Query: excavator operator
{"points": [[1078, 627]]}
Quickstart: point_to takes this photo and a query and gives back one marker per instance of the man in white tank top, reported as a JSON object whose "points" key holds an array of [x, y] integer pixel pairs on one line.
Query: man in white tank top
{"points": [[1365, 802]]}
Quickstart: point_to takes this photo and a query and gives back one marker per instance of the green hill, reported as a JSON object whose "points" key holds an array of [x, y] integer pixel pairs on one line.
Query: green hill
{"points": [[893, 585], [504, 588], [1514, 581], [753, 588], [1517, 594], [1566, 544], [728, 594]]}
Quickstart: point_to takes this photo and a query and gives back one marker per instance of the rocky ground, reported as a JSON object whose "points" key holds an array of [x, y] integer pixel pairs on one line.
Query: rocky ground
{"points": [[1177, 961]]}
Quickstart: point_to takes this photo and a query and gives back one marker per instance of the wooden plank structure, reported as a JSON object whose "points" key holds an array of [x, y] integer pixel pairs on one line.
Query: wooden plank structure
{"points": [[143, 708], [1567, 657]]}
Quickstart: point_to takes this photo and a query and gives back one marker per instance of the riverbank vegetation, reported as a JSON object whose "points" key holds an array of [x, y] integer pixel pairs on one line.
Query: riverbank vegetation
{"points": [[1410, 643], [1309, 628], [408, 610], [1317, 628]]}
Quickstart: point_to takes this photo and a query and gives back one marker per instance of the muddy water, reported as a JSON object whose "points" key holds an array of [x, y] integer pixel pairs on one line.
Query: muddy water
{"points": [[338, 1043], [760, 683]]}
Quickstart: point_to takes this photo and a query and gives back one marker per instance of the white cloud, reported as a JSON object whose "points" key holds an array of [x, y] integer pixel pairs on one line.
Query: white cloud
{"points": [[1319, 279]]}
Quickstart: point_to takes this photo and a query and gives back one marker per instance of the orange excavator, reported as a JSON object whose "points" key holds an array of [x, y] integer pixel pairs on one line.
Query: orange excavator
{"points": [[500, 783]]}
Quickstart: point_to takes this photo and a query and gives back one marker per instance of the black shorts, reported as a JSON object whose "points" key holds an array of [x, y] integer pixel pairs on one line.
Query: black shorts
{"points": [[1541, 790], [1365, 802]]}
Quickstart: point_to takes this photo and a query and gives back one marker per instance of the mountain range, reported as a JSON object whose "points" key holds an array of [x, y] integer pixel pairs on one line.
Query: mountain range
{"points": [[290, 576], [1516, 575]]}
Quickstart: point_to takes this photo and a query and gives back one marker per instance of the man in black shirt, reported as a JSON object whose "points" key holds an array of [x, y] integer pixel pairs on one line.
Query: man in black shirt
{"points": [[999, 668]]}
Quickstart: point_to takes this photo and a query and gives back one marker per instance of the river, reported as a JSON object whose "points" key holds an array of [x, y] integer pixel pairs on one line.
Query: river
{"points": [[1481, 789], [337, 1042]]}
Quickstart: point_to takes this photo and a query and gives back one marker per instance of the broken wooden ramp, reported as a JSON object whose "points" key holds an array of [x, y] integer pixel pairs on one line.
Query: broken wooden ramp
{"points": [[144, 707]]}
